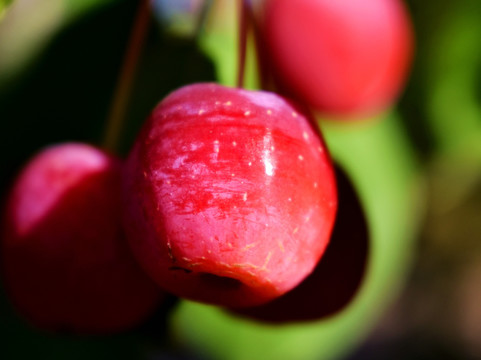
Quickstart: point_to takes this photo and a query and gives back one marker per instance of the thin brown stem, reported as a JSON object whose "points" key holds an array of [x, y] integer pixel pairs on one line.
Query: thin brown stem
{"points": [[243, 29], [261, 52], [116, 117]]}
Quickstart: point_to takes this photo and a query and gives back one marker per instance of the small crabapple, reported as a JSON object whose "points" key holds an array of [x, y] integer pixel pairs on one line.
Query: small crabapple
{"points": [[65, 260], [230, 195]]}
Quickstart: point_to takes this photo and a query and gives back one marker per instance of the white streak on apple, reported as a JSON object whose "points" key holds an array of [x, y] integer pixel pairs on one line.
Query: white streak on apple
{"points": [[267, 159]]}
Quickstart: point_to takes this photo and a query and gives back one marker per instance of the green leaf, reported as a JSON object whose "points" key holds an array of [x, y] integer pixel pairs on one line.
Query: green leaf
{"points": [[3, 7], [451, 63]]}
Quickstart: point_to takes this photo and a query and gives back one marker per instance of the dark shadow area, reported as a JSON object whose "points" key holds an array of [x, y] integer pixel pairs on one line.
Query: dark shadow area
{"points": [[418, 347]]}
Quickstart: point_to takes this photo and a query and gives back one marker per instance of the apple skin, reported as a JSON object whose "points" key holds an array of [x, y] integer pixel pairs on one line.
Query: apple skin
{"points": [[335, 281], [230, 195], [345, 58], [66, 263]]}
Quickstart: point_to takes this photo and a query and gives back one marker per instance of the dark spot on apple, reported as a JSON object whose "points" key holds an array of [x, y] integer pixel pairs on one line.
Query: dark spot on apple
{"points": [[218, 281]]}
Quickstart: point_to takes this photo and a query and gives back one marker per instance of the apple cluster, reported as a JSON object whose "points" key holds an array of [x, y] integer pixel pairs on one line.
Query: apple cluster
{"points": [[228, 196]]}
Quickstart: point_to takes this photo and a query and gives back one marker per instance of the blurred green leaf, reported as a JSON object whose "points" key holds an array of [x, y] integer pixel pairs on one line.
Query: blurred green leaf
{"points": [[446, 90], [453, 76], [29, 26], [445, 86], [3, 7]]}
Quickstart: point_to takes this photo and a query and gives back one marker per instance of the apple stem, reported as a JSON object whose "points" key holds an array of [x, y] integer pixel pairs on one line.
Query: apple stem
{"points": [[243, 29], [116, 117], [261, 52], [248, 23]]}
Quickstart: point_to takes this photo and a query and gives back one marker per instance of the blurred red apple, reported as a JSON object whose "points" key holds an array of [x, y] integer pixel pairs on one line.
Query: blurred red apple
{"points": [[230, 195], [66, 263], [343, 58]]}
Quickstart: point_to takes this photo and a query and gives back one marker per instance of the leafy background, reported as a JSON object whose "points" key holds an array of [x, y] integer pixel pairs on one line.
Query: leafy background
{"points": [[418, 172]]}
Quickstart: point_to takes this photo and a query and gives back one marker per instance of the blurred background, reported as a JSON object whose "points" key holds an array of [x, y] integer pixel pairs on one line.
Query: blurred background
{"points": [[59, 64]]}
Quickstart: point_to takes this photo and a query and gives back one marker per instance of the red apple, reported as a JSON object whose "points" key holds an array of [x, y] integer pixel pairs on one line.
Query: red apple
{"points": [[230, 195], [66, 262], [344, 58]]}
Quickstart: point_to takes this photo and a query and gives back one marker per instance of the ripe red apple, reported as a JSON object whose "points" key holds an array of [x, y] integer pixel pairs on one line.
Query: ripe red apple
{"points": [[344, 58], [65, 260], [230, 195], [337, 277]]}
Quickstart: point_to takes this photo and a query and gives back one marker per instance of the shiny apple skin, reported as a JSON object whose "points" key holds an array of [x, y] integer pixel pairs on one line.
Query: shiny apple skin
{"points": [[230, 195], [346, 58], [66, 264]]}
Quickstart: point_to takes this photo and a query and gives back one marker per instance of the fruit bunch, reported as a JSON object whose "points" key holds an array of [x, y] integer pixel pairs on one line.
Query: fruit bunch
{"points": [[227, 197]]}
